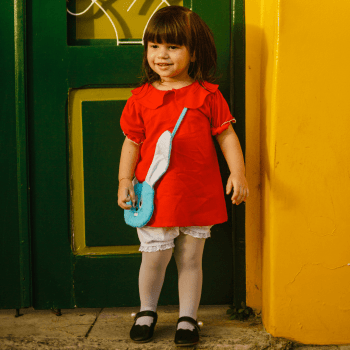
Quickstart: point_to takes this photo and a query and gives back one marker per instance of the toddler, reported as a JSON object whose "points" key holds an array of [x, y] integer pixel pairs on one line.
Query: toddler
{"points": [[179, 64]]}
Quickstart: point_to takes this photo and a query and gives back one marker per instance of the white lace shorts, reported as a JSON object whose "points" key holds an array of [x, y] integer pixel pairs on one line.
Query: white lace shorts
{"points": [[160, 238]]}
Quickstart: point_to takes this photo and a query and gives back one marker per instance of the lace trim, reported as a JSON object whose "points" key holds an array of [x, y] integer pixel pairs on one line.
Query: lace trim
{"points": [[157, 247], [198, 235], [229, 121], [217, 130], [138, 144]]}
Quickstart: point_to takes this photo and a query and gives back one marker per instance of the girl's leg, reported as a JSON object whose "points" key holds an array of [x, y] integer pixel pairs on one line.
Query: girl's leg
{"points": [[188, 255], [151, 278]]}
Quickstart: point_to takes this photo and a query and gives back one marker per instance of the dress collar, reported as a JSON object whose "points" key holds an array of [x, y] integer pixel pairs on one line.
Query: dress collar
{"points": [[191, 96]]}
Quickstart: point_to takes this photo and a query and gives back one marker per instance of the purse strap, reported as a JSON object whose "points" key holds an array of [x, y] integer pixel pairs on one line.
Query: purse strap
{"points": [[182, 115]]}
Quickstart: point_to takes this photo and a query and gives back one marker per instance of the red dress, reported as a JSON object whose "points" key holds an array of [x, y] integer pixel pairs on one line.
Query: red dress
{"points": [[190, 193]]}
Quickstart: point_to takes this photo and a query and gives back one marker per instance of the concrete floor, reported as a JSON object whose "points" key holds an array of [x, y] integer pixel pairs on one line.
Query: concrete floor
{"points": [[109, 328]]}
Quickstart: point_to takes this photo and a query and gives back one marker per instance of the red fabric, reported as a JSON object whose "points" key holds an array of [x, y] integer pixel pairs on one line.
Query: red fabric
{"points": [[190, 193]]}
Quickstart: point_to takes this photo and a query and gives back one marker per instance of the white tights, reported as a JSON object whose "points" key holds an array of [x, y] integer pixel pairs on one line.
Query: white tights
{"points": [[188, 253]]}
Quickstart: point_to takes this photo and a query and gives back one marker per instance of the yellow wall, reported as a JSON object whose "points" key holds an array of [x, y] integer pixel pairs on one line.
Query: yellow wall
{"points": [[252, 156], [297, 92]]}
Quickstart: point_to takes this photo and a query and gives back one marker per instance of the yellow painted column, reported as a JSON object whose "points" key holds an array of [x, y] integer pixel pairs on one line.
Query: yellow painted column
{"points": [[253, 154], [305, 156]]}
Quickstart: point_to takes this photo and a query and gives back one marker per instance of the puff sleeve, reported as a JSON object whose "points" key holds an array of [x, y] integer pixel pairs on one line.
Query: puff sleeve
{"points": [[221, 116], [131, 122]]}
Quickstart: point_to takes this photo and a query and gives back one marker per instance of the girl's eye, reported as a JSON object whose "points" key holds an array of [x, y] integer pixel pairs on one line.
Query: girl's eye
{"points": [[172, 47], [154, 46]]}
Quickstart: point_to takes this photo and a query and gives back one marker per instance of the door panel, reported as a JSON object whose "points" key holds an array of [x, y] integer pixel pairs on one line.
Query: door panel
{"points": [[94, 164], [83, 253], [101, 150]]}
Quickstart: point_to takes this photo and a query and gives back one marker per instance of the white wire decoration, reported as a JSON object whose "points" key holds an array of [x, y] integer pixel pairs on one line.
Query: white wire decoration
{"points": [[115, 29]]}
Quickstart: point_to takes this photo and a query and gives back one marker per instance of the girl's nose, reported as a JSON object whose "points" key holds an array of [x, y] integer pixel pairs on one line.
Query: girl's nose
{"points": [[162, 53]]}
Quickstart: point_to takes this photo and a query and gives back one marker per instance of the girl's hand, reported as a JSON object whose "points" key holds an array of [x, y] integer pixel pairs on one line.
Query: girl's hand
{"points": [[126, 193], [240, 186]]}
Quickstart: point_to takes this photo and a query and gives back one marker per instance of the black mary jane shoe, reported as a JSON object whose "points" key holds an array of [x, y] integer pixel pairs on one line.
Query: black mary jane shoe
{"points": [[185, 337], [143, 334]]}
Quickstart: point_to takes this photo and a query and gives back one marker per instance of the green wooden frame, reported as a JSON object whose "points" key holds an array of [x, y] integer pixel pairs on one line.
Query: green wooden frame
{"points": [[21, 140], [237, 101], [15, 259]]}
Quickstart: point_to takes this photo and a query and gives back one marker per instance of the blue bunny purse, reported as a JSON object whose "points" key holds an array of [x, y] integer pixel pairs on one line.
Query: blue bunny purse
{"points": [[139, 215]]}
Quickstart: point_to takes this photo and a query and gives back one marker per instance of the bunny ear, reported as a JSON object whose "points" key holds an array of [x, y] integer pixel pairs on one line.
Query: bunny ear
{"points": [[162, 153], [161, 159]]}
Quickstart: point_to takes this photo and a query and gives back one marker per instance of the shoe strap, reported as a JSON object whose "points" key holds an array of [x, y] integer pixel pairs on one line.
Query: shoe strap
{"points": [[146, 313], [188, 319]]}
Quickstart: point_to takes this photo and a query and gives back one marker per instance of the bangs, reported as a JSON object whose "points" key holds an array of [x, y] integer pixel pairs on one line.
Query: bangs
{"points": [[167, 30]]}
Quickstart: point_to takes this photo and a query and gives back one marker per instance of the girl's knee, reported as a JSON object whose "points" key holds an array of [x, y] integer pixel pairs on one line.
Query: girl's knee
{"points": [[190, 259], [157, 260], [189, 245]]}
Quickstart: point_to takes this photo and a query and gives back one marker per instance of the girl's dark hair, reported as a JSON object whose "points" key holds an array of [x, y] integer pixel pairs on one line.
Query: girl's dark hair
{"points": [[180, 26]]}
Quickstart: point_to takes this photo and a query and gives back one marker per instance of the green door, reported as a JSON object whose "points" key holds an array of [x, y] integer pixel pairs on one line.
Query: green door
{"points": [[79, 78]]}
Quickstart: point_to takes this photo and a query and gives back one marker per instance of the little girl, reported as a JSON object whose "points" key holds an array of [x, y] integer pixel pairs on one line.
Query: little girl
{"points": [[179, 62]]}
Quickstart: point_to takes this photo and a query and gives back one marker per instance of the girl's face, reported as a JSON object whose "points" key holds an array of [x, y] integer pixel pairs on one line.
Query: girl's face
{"points": [[169, 61]]}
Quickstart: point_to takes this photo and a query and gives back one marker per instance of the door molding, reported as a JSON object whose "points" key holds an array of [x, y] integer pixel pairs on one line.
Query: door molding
{"points": [[22, 163], [237, 102]]}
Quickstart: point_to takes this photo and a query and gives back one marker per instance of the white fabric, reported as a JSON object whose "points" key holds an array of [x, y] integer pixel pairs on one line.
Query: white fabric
{"points": [[161, 159], [160, 238], [188, 255], [151, 278]]}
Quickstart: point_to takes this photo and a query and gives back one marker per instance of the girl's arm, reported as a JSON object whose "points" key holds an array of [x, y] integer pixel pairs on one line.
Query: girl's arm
{"points": [[232, 151], [128, 159]]}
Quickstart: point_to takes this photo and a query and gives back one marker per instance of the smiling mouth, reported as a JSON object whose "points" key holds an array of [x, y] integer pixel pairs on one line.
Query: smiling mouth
{"points": [[163, 64]]}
